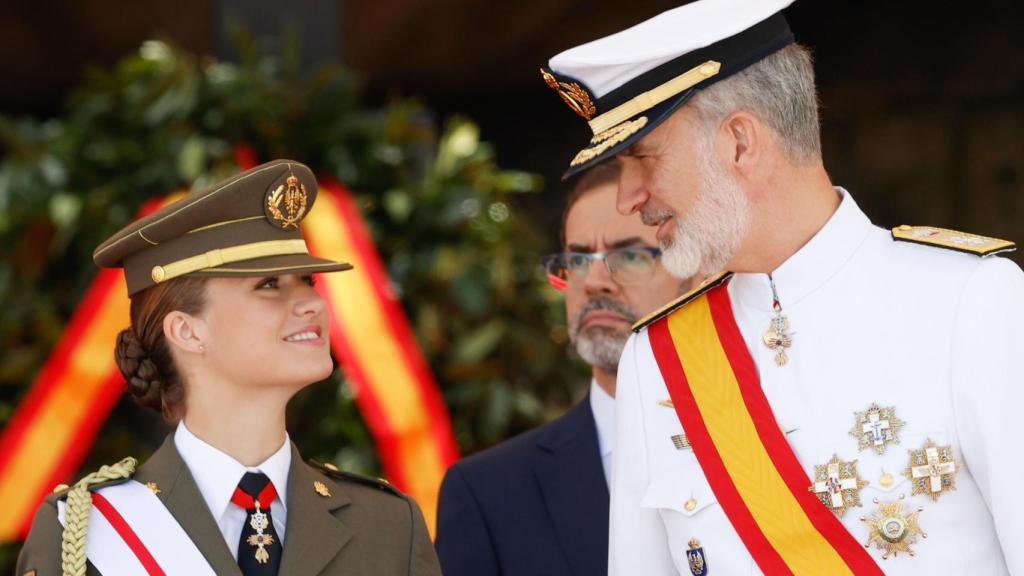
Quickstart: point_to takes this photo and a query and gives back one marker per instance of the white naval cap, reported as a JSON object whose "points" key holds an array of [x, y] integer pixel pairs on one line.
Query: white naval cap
{"points": [[627, 83]]}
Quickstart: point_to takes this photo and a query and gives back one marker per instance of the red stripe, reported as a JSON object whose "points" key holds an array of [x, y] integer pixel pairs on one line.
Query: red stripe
{"points": [[369, 408], [767, 558], [49, 376], [242, 499], [127, 534], [855, 555], [437, 412]]}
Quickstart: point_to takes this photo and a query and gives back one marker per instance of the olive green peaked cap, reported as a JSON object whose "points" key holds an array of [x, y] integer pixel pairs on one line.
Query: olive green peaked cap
{"points": [[247, 225]]}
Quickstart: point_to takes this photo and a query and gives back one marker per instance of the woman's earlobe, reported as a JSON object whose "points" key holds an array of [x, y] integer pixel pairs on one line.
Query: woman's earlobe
{"points": [[182, 331]]}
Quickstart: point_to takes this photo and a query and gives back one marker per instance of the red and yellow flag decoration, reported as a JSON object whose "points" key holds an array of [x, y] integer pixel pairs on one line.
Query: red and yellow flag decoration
{"points": [[79, 384], [752, 470], [55, 425], [371, 338]]}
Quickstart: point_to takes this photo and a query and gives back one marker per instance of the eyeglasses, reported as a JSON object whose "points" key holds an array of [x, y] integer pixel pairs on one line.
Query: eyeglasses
{"points": [[629, 265]]}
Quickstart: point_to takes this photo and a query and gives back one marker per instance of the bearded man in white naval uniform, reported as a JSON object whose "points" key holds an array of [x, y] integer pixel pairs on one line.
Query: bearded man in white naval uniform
{"points": [[888, 361]]}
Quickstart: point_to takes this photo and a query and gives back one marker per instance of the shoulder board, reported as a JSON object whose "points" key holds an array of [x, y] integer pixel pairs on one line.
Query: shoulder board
{"points": [[952, 240], [681, 301], [332, 471]]}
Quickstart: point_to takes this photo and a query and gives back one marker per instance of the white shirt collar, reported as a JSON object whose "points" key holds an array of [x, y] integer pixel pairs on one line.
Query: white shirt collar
{"points": [[217, 474], [603, 406], [813, 264]]}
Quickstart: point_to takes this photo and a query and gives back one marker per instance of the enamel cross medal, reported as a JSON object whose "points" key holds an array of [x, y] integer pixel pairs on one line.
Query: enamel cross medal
{"points": [[259, 523], [775, 337]]}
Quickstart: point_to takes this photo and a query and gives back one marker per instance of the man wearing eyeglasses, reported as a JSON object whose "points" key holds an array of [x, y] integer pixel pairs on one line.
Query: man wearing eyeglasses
{"points": [[845, 399], [538, 504]]}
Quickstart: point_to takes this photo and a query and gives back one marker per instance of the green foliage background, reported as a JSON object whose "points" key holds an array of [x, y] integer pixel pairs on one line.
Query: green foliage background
{"points": [[460, 252]]}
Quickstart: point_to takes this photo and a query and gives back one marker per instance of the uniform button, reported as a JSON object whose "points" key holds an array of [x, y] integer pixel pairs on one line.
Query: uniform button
{"points": [[690, 504], [885, 480]]}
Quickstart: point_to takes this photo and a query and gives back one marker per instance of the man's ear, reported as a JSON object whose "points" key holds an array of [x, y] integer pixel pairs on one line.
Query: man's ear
{"points": [[743, 136], [185, 333]]}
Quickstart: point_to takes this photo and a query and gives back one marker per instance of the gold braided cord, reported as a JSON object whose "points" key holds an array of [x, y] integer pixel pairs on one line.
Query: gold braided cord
{"points": [[76, 514], [647, 100]]}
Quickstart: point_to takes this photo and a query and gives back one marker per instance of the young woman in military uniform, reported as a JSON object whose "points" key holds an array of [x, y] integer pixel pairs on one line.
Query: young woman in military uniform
{"points": [[225, 328]]}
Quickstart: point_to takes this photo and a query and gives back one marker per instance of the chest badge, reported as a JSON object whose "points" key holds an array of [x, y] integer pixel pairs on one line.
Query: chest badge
{"points": [[892, 530], [837, 484], [876, 428], [932, 469], [696, 559]]}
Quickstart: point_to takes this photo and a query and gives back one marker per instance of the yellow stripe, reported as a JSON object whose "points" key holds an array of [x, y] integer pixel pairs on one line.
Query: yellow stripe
{"points": [[356, 306], [218, 256], [718, 397], [647, 100], [57, 422]]}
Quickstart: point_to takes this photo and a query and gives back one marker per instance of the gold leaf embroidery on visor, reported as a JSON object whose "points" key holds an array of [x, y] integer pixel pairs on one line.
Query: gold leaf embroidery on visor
{"points": [[600, 143], [573, 94]]}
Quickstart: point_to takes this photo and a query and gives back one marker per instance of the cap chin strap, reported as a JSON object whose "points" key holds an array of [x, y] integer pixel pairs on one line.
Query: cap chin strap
{"points": [[214, 258], [647, 100]]}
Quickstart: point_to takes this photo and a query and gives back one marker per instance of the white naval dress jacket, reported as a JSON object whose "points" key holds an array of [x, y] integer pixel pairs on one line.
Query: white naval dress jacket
{"points": [[935, 333]]}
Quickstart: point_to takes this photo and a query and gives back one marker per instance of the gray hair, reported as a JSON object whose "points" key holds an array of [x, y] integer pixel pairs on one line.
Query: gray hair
{"points": [[780, 91]]}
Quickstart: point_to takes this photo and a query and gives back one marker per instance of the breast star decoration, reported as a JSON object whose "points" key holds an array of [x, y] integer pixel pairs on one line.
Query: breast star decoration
{"points": [[892, 530], [932, 469], [837, 484], [876, 428]]}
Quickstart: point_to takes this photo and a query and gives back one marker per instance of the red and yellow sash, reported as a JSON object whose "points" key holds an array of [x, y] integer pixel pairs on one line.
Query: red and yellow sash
{"points": [[753, 472]]}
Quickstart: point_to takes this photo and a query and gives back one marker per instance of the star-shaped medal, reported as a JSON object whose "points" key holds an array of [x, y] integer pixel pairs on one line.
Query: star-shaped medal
{"points": [[876, 428], [932, 469], [891, 530], [837, 484]]}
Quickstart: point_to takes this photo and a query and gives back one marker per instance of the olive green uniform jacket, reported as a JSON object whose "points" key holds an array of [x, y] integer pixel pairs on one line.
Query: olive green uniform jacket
{"points": [[363, 527]]}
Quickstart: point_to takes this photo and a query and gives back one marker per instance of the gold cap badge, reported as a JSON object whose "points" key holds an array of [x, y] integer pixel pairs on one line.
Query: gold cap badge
{"points": [[573, 94], [286, 204]]}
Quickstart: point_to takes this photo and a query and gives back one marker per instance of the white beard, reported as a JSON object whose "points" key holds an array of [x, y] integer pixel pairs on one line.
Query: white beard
{"points": [[708, 237]]}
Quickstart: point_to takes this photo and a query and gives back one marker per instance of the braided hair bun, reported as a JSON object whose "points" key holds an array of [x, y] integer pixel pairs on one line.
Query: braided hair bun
{"points": [[139, 371]]}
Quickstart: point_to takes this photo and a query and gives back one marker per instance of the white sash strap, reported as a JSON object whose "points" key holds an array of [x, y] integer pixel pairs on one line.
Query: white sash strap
{"points": [[153, 524]]}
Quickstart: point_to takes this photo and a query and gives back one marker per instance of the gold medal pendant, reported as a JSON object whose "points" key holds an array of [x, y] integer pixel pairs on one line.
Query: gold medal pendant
{"points": [[775, 337], [259, 523]]}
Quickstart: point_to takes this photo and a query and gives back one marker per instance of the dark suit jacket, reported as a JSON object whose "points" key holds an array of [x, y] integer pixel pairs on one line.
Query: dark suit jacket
{"points": [[536, 505], [360, 528]]}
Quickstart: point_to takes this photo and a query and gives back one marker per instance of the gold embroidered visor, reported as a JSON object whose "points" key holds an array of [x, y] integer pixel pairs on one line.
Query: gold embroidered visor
{"points": [[247, 225], [638, 104]]}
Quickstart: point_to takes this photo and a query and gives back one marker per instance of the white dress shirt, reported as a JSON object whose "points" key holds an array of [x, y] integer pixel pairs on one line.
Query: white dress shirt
{"points": [[935, 333], [602, 405], [217, 475]]}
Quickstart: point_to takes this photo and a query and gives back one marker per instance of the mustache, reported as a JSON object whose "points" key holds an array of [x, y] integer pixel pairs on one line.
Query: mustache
{"points": [[653, 216], [603, 303]]}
